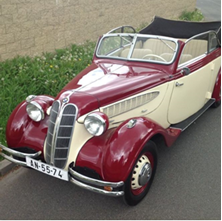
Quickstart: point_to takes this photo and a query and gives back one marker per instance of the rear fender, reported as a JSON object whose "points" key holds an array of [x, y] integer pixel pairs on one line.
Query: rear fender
{"points": [[113, 154], [217, 87]]}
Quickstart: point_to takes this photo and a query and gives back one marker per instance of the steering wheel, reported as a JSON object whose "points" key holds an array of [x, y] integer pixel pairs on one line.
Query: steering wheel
{"points": [[154, 55]]}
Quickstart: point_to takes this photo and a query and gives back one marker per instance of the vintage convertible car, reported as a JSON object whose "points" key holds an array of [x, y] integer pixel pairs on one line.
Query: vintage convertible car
{"points": [[100, 131]]}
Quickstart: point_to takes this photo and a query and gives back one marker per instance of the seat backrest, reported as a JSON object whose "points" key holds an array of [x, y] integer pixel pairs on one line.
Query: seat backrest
{"points": [[124, 53], [140, 53], [139, 44], [167, 56], [195, 47], [185, 57], [157, 46]]}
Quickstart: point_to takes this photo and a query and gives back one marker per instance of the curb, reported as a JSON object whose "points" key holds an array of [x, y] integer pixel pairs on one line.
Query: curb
{"points": [[6, 166]]}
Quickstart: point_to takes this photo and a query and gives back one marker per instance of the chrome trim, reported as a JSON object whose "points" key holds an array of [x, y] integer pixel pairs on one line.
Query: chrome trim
{"points": [[30, 98], [55, 132], [198, 57], [96, 190], [122, 27], [57, 126], [132, 48], [191, 61], [203, 33], [36, 104], [17, 154], [131, 123], [104, 123], [135, 36], [86, 182], [94, 181], [179, 84]]}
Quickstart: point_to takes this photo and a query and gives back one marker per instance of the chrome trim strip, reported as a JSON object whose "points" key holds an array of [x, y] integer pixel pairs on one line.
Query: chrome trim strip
{"points": [[21, 163], [92, 181], [191, 61], [198, 57], [20, 154], [17, 154], [198, 35], [96, 190], [55, 132], [135, 36], [124, 26], [59, 118]]}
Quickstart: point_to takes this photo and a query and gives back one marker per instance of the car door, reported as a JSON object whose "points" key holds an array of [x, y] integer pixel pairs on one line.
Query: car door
{"points": [[193, 89]]}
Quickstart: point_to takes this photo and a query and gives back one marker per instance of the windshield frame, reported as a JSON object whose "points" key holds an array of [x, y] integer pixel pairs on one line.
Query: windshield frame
{"points": [[132, 47]]}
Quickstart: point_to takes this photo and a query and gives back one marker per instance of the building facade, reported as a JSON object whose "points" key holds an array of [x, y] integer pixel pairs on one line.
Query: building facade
{"points": [[30, 27]]}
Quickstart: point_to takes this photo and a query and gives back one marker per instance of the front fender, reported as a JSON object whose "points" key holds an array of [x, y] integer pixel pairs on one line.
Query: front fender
{"points": [[22, 131], [113, 154]]}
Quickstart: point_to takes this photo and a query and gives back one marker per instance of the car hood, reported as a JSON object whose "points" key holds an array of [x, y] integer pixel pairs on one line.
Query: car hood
{"points": [[109, 83]]}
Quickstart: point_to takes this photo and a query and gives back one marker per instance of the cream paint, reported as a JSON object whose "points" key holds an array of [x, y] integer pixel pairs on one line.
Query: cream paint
{"points": [[79, 138], [160, 114], [215, 67], [143, 110], [187, 99]]}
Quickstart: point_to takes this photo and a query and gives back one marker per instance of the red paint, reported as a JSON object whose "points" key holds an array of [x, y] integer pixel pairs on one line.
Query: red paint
{"points": [[121, 81], [21, 131], [119, 148], [85, 102], [217, 87]]}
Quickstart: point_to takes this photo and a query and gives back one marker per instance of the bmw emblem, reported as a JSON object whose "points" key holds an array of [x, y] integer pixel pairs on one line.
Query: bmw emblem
{"points": [[65, 100]]}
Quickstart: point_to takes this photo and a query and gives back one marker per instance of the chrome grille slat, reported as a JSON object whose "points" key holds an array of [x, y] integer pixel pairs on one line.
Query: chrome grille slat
{"points": [[60, 130], [51, 128]]}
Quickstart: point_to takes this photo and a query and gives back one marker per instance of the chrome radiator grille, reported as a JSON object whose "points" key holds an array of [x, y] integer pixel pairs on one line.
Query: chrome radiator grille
{"points": [[60, 130]]}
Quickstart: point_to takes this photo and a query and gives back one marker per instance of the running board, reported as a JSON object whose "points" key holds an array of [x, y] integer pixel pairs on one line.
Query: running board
{"points": [[186, 123]]}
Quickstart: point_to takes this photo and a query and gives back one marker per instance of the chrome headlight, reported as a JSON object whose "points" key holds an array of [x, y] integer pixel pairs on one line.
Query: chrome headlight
{"points": [[35, 111], [96, 123]]}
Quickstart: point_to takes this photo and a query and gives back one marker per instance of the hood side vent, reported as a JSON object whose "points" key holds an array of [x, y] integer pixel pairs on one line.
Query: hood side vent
{"points": [[129, 104]]}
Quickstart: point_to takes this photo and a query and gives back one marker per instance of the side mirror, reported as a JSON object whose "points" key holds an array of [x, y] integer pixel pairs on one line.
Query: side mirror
{"points": [[185, 71]]}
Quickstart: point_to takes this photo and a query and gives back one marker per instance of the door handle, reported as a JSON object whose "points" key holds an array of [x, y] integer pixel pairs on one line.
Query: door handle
{"points": [[179, 84]]}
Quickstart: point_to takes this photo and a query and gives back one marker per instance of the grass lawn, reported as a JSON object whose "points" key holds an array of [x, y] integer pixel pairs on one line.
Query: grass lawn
{"points": [[47, 75]]}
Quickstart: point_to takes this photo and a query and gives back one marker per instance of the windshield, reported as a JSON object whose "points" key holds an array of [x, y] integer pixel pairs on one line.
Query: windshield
{"points": [[148, 48]]}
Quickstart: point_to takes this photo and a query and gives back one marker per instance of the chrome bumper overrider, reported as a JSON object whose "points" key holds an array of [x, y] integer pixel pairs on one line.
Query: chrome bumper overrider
{"points": [[17, 154], [114, 189]]}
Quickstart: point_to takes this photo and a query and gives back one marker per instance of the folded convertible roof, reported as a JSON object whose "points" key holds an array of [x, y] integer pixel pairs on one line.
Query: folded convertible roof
{"points": [[180, 29]]}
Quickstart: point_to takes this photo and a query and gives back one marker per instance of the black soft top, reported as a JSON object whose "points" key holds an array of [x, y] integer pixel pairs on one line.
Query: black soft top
{"points": [[180, 29]]}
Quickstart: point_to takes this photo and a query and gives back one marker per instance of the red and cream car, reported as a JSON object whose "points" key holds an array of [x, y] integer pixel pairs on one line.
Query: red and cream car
{"points": [[99, 131]]}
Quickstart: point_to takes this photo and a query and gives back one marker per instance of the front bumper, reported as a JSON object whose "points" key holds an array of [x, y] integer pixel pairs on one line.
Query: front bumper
{"points": [[17, 154], [114, 189]]}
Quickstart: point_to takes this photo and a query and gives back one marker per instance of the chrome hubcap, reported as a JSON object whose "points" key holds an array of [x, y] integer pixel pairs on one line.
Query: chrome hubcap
{"points": [[142, 173]]}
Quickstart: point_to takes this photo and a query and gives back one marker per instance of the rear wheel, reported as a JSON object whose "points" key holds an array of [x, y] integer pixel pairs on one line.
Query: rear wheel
{"points": [[141, 177]]}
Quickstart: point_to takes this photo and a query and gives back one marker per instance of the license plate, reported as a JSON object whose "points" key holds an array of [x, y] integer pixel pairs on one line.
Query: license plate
{"points": [[47, 169]]}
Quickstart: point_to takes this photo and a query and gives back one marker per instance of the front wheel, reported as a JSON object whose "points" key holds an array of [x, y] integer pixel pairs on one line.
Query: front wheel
{"points": [[141, 177]]}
